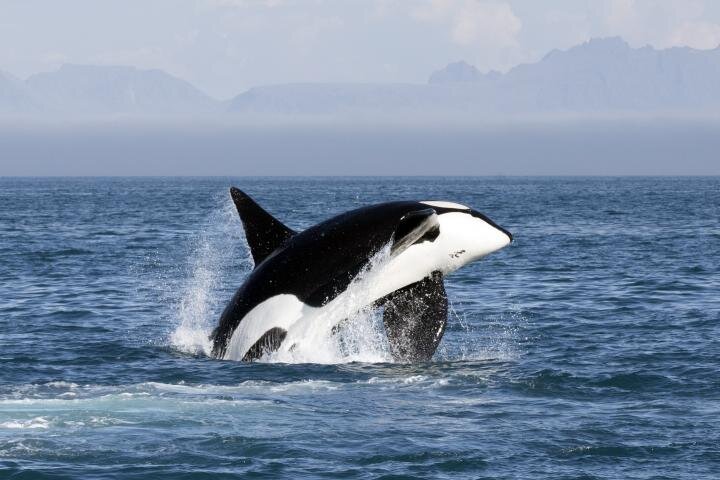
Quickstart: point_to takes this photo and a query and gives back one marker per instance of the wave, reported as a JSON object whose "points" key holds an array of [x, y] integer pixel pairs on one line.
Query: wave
{"points": [[37, 422]]}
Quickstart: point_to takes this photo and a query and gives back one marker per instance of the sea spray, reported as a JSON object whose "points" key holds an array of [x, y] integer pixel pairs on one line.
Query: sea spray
{"points": [[215, 261], [472, 336], [359, 336]]}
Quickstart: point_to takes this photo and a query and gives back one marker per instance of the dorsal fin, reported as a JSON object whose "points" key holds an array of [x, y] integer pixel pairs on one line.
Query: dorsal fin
{"points": [[264, 232]]}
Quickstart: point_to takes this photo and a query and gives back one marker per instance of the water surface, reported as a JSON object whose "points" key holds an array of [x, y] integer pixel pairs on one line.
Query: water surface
{"points": [[590, 348]]}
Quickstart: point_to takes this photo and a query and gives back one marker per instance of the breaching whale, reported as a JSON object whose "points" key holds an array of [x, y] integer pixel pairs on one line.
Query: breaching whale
{"points": [[300, 280]]}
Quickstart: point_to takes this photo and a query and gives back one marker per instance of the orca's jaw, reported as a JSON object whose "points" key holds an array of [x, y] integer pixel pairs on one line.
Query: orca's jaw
{"points": [[466, 235], [465, 238]]}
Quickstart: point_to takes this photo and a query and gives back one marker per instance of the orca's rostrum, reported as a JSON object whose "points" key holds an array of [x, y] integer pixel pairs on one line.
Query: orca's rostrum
{"points": [[300, 280]]}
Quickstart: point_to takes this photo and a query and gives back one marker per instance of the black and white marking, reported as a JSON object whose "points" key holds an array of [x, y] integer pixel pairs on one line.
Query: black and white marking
{"points": [[301, 284]]}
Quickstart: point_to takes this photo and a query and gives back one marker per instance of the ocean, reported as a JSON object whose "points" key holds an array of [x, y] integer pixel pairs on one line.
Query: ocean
{"points": [[589, 348]]}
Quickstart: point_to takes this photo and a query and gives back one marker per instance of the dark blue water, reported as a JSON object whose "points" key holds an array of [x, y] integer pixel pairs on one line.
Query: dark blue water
{"points": [[590, 348]]}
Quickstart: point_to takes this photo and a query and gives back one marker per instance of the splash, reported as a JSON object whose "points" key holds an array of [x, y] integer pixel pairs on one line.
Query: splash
{"points": [[360, 337], [200, 300], [477, 337]]}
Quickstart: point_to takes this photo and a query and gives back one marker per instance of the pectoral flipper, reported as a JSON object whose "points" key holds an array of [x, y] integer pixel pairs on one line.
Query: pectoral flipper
{"points": [[415, 317]]}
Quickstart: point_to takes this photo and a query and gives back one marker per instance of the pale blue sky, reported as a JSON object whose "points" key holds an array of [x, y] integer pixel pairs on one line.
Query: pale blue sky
{"points": [[226, 46]]}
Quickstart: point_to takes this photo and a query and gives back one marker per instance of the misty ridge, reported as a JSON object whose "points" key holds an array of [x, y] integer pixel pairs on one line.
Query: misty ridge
{"points": [[602, 75]]}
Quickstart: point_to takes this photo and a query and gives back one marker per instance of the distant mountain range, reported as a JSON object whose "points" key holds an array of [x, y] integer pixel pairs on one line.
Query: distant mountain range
{"points": [[602, 75], [80, 89]]}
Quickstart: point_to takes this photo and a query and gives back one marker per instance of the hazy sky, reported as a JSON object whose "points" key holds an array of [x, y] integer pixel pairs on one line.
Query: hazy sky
{"points": [[226, 46], [572, 147]]}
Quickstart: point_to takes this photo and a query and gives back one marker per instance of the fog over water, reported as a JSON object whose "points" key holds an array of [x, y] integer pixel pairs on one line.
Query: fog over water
{"points": [[366, 146]]}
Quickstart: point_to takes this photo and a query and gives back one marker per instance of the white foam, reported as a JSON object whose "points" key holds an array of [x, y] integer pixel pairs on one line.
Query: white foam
{"points": [[62, 384], [412, 379], [37, 422]]}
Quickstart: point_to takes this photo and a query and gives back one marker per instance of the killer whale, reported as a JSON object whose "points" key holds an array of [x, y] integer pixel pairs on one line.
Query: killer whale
{"points": [[300, 279]]}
